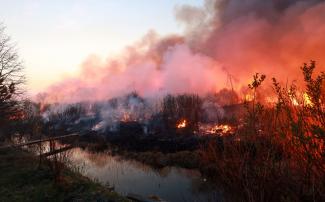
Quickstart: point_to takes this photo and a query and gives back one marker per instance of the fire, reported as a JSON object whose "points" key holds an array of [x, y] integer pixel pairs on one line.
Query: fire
{"points": [[295, 102], [182, 124], [221, 128], [126, 117], [307, 100], [271, 99], [248, 97], [214, 129]]}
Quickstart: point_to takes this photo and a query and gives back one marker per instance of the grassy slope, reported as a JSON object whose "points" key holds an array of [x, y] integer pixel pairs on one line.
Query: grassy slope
{"points": [[22, 180]]}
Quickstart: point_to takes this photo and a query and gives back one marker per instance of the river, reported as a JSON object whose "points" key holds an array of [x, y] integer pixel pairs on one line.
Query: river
{"points": [[127, 176]]}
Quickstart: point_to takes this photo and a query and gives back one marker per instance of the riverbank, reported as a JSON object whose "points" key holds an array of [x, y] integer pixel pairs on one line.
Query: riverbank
{"points": [[21, 179], [129, 177], [189, 157], [182, 159]]}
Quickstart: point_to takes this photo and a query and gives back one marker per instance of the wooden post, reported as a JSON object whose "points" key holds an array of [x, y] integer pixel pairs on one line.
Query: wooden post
{"points": [[40, 149]]}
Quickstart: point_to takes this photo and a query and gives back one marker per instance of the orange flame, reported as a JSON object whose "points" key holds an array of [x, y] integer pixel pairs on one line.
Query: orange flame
{"points": [[182, 124], [307, 100], [221, 129], [248, 97]]}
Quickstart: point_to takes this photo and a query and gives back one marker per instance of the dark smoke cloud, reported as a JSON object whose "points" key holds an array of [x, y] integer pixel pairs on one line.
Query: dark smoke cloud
{"points": [[229, 10], [270, 36]]}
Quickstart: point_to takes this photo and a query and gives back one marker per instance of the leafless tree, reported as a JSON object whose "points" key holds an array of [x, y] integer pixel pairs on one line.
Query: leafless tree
{"points": [[11, 78]]}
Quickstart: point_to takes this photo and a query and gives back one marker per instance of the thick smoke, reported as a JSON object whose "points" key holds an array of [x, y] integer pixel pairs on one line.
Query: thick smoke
{"points": [[127, 108], [271, 36], [222, 38]]}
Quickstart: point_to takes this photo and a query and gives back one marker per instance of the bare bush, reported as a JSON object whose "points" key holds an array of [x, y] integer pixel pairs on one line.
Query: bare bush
{"points": [[11, 80], [279, 154], [182, 107]]}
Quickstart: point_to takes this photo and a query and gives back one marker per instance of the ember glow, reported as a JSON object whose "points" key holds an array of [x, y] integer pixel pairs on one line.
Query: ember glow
{"points": [[216, 129], [182, 124], [18, 116], [249, 97], [126, 117]]}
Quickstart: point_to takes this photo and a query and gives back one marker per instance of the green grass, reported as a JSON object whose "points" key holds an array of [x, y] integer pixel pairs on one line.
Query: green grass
{"points": [[21, 179]]}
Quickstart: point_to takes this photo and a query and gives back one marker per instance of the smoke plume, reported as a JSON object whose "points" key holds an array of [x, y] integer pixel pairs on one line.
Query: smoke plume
{"points": [[221, 38]]}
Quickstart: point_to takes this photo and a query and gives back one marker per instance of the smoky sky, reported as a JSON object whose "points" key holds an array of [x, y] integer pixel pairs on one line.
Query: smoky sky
{"points": [[221, 38], [271, 9]]}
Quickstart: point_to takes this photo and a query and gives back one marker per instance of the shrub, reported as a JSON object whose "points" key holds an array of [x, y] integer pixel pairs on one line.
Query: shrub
{"points": [[279, 153], [182, 107]]}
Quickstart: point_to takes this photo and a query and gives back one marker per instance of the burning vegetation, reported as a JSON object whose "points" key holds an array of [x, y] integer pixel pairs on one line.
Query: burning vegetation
{"points": [[263, 144], [284, 141], [218, 129], [239, 145], [248, 142], [182, 124]]}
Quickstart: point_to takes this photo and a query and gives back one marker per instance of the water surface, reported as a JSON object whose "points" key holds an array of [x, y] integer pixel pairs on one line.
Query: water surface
{"points": [[128, 176]]}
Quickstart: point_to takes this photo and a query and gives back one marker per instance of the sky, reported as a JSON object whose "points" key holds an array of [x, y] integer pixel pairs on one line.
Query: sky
{"points": [[53, 38]]}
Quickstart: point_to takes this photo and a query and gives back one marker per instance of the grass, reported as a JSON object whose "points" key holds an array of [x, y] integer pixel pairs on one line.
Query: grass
{"points": [[21, 179]]}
